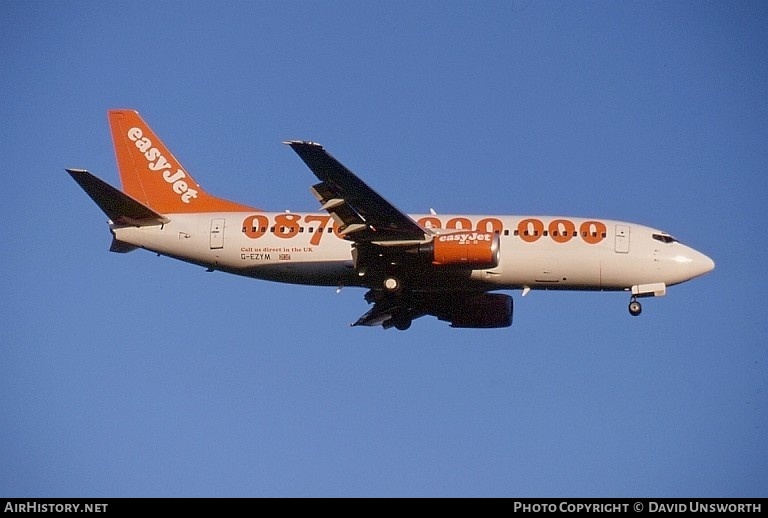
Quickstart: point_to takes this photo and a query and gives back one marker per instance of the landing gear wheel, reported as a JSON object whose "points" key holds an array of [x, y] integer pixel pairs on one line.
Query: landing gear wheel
{"points": [[402, 323], [391, 284], [635, 308]]}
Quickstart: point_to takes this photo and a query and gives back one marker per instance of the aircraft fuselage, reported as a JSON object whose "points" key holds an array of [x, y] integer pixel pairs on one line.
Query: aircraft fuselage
{"points": [[536, 252]]}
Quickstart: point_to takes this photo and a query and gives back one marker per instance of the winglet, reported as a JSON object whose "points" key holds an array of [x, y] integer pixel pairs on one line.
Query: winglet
{"points": [[152, 175]]}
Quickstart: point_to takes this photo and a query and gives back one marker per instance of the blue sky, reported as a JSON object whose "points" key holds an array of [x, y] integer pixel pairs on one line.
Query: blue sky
{"points": [[133, 375]]}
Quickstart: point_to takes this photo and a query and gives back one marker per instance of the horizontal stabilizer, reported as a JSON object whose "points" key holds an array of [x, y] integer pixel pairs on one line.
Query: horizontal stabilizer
{"points": [[118, 206]]}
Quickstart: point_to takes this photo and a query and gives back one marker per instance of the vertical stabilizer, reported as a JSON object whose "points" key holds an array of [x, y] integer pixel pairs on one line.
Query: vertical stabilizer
{"points": [[152, 175]]}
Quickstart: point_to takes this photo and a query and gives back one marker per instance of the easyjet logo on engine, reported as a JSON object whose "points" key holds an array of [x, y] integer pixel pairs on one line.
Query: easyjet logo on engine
{"points": [[157, 162], [464, 238]]}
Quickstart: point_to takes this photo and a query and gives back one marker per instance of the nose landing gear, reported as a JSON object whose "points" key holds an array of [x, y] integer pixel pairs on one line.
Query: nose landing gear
{"points": [[656, 289]]}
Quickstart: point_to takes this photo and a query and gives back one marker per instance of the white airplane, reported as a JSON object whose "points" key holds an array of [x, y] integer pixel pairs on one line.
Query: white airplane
{"points": [[429, 264]]}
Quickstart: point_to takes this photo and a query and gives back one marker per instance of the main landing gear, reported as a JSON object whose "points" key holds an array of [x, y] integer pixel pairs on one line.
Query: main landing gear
{"points": [[635, 308], [392, 306], [401, 321]]}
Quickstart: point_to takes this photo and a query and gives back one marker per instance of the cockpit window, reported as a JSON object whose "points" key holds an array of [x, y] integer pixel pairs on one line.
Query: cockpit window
{"points": [[664, 238]]}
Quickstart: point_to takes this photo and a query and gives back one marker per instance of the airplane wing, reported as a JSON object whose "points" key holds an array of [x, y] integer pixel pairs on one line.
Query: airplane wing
{"points": [[394, 255], [361, 213]]}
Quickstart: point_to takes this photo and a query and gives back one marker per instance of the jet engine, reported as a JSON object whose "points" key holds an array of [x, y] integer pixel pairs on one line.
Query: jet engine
{"points": [[466, 248]]}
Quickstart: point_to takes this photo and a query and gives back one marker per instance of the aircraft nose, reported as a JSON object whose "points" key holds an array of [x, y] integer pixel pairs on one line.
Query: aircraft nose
{"points": [[700, 264]]}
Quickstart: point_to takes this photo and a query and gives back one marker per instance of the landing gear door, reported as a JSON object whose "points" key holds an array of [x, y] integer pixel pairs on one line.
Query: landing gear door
{"points": [[217, 233], [622, 239]]}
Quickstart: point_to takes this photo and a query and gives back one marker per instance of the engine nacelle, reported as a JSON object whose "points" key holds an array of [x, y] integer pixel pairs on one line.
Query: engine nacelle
{"points": [[485, 310], [467, 248]]}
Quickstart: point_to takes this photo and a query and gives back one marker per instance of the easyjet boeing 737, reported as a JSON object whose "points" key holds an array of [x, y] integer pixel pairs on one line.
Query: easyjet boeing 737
{"points": [[447, 266]]}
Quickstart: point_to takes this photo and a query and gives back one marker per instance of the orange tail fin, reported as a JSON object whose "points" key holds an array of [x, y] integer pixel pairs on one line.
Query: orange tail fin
{"points": [[152, 175]]}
